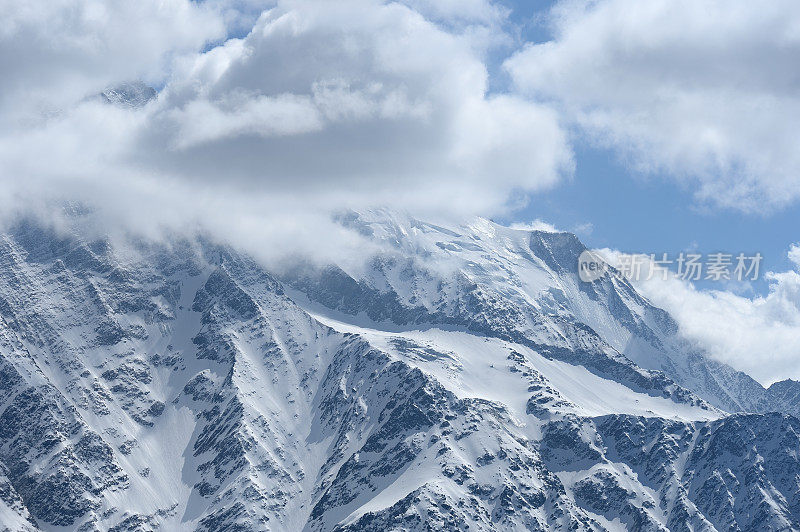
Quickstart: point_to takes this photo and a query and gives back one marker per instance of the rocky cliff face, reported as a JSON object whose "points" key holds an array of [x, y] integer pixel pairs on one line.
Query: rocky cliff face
{"points": [[464, 378]]}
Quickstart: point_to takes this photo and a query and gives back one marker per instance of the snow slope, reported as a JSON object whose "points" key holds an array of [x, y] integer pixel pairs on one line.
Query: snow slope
{"points": [[462, 379]]}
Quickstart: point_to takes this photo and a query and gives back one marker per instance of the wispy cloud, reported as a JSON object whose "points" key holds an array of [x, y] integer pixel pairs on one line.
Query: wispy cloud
{"points": [[759, 335]]}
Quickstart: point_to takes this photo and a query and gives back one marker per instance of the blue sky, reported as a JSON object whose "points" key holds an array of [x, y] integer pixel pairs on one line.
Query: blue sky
{"points": [[652, 214]]}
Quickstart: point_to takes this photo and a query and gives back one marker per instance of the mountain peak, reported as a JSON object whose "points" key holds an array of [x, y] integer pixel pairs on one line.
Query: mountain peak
{"points": [[131, 94]]}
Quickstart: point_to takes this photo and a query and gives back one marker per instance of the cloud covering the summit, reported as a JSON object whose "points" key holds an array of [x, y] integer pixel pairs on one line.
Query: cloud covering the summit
{"points": [[317, 105]]}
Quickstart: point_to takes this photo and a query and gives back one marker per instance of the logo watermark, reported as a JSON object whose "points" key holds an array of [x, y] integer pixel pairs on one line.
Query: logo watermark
{"points": [[684, 266], [591, 266]]}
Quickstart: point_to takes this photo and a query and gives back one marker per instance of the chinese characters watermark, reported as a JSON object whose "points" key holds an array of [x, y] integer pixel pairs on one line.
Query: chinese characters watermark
{"points": [[685, 266]]}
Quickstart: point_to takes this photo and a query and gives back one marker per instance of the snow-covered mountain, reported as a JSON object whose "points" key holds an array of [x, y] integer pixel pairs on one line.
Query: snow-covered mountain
{"points": [[523, 285], [462, 378], [129, 95]]}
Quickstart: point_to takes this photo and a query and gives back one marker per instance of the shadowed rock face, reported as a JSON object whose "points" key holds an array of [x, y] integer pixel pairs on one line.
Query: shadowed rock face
{"points": [[462, 380]]}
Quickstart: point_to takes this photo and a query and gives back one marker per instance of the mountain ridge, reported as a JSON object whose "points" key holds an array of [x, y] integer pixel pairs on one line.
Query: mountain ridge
{"points": [[400, 397]]}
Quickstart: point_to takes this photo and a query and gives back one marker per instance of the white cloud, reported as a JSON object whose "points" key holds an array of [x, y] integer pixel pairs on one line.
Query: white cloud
{"points": [[705, 90], [201, 121], [794, 254], [321, 105], [759, 335], [535, 225], [390, 102], [57, 51]]}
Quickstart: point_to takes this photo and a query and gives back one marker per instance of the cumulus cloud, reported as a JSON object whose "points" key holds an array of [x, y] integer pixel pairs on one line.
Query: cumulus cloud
{"points": [[331, 95], [319, 106], [702, 90], [759, 335]]}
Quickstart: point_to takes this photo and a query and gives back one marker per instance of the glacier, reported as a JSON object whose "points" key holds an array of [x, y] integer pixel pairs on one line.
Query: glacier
{"points": [[462, 377]]}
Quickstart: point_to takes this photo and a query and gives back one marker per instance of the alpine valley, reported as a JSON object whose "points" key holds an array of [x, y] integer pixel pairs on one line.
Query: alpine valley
{"points": [[459, 378]]}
